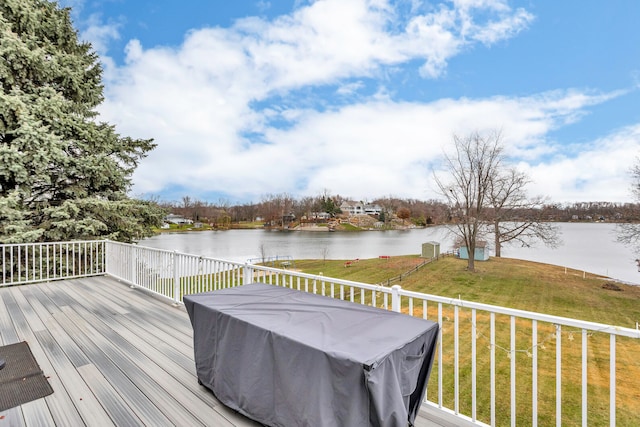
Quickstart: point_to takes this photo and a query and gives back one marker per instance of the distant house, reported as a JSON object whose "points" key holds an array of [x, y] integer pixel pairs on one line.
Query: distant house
{"points": [[359, 208], [370, 209], [480, 254], [352, 208], [177, 219], [288, 217], [319, 215], [316, 217]]}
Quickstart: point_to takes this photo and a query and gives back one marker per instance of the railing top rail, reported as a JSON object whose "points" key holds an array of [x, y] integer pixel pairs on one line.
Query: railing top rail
{"points": [[69, 242], [366, 286], [565, 321]]}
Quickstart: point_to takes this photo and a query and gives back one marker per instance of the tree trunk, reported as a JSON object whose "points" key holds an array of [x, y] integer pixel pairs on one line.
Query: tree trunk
{"points": [[471, 263], [471, 252], [496, 233]]}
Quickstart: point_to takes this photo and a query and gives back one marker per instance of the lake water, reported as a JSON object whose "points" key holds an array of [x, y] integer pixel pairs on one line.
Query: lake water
{"points": [[589, 247]]}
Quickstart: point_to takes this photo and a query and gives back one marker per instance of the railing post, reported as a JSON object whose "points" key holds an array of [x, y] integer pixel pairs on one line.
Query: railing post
{"points": [[176, 277], [395, 298], [106, 253], [132, 269], [105, 256], [247, 275], [612, 380]]}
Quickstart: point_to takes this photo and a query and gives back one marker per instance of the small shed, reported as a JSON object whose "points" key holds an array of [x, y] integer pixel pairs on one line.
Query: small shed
{"points": [[430, 250], [480, 254]]}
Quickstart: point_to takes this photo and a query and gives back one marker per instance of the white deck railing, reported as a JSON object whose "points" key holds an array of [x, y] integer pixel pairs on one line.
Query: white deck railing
{"points": [[494, 366], [43, 262]]}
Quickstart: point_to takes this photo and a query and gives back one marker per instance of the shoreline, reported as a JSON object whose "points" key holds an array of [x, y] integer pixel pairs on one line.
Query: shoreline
{"points": [[586, 247]]}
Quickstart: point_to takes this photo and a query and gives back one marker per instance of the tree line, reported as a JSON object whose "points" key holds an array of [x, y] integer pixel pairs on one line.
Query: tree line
{"points": [[273, 207], [421, 212]]}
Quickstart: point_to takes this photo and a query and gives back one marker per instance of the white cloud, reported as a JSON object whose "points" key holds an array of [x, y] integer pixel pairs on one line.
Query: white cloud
{"points": [[200, 101], [505, 24], [440, 35], [349, 88], [263, 5], [364, 150], [601, 167], [504, 28]]}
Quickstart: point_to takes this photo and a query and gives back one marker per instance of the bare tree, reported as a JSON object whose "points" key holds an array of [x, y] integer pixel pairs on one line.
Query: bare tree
{"points": [[262, 250], [269, 209], [325, 254], [516, 217], [473, 166], [196, 209], [629, 232], [247, 212], [486, 197], [185, 208]]}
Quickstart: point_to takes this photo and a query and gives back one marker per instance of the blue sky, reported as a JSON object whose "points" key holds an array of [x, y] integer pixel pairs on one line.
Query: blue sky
{"points": [[362, 97]]}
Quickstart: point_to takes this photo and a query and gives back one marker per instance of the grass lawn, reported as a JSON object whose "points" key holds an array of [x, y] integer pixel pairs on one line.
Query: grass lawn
{"points": [[527, 286], [506, 282]]}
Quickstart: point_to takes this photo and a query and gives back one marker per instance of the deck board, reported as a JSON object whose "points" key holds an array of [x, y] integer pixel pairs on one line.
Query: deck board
{"points": [[117, 409], [127, 365], [51, 358], [36, 413], [153, 362], [114, 356]]}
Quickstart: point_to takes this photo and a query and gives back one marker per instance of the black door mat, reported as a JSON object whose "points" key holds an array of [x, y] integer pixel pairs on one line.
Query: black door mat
{"points": [[21, 379]]}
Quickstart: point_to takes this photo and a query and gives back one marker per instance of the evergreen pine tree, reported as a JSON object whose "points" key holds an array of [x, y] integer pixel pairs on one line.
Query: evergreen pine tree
{"points": [[63, 174]]}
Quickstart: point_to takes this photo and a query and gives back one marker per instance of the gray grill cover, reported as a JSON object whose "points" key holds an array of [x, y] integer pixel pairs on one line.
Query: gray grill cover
{"points": [[289, 358]]}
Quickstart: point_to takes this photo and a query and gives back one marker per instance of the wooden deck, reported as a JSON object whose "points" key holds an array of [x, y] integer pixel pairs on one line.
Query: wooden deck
{"points": [[113, 355]]}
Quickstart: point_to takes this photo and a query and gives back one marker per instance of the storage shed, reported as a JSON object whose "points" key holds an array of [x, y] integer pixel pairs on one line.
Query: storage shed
{"points": [[480, 254], [430, 250]]}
